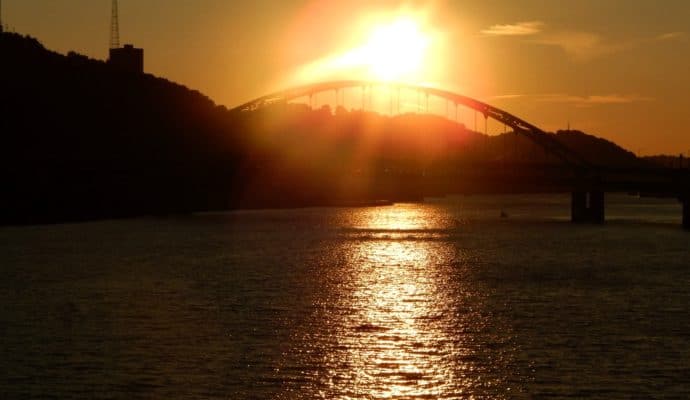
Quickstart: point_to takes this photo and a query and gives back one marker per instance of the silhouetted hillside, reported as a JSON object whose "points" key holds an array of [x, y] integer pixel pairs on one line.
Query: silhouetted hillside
{"points": [[599, 151], [82, 140]]}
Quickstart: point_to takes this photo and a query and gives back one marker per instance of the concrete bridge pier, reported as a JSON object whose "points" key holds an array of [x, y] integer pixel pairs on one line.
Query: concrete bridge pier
{"points": [[588, 206]]}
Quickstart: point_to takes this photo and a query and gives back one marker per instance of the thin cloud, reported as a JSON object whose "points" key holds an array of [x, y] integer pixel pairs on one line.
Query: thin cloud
{"points": [[507, 96], [517, 29], [583, 46], [578, 101], [585, 101], [670, 36]]}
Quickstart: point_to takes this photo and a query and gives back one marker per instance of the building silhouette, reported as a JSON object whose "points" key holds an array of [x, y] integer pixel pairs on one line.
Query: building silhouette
{"points": [[127, 58]]}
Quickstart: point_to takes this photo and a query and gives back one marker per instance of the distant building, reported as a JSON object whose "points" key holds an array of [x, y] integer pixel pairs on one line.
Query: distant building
{"points": [[128, 58]]}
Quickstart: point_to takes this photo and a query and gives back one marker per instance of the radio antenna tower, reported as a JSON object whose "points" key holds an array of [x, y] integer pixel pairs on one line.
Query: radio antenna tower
{"points": [[114, 28]]}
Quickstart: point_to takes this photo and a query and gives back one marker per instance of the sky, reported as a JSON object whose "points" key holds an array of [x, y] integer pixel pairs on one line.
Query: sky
{"points": [[617, 69]]}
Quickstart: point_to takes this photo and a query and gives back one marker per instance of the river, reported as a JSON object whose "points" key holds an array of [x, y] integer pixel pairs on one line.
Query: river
{"points": [[445, 299]]}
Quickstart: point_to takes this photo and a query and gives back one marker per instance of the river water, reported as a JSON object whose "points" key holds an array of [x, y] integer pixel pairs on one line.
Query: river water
{"points": [[443, 299]]}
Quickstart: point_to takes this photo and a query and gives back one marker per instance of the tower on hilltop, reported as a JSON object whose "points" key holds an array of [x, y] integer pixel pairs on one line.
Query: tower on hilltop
{"points": [[114, 27], [127, 58]]}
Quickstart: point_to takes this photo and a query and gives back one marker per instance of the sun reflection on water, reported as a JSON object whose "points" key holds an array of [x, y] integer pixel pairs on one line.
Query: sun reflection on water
{"points": [[392, 349], [400, 217], [396, 329]]}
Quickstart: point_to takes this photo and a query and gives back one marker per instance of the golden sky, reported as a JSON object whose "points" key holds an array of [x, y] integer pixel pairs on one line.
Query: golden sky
{"points": [[619, 69]]}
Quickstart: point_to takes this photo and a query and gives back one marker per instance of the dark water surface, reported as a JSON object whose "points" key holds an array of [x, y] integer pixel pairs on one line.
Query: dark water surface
{"points": [[437, 300]]}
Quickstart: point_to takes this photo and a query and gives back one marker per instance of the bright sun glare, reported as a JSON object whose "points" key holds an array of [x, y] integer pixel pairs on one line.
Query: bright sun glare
{"points": [[395, 51]]}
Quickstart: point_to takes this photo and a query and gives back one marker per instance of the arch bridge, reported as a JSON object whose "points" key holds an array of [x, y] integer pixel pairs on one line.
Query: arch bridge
{"points": [[519, 126], [588, 186]]}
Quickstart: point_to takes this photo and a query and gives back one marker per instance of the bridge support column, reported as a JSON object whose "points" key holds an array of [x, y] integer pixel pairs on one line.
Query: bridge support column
{"points": [[578, 204], [588, 206]]}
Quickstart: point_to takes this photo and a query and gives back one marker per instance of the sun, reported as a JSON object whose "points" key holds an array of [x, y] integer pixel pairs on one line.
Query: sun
{"points": [[392, 51], [397, 48], [396, 51]]}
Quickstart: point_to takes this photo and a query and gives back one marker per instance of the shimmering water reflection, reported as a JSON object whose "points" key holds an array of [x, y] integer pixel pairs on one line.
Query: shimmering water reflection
{"points": [[393, 345], [408, 319], [444, 300]]}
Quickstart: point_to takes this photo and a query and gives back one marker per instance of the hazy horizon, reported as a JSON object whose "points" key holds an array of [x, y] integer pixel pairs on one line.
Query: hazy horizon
{"points": [[592, 65]]}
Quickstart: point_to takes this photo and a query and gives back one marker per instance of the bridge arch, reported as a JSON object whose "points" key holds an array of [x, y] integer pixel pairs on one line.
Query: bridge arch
{"points": [[519, 126]]}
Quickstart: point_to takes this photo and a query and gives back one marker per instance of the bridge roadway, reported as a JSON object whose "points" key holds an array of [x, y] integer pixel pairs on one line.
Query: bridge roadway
{"points": [[587, 189]]}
